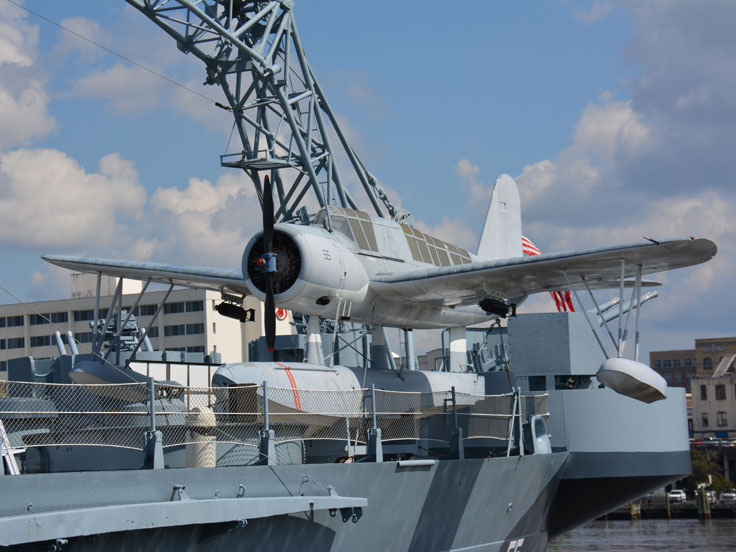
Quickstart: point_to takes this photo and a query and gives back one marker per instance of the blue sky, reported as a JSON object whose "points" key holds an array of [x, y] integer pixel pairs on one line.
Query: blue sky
{"points": [[617, 120]]}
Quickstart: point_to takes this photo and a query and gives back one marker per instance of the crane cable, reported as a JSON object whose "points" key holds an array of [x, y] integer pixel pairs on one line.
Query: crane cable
{"points": [[113, 52]]}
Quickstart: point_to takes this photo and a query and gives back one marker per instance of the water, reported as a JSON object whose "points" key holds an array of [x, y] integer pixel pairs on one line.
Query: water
{"points": [[649, 535]]}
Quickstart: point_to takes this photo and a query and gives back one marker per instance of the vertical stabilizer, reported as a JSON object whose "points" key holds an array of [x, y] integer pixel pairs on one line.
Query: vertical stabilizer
{"points": [[501, 236]]}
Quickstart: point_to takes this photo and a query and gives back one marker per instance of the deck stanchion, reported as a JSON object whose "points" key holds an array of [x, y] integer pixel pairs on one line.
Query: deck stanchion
{"points": [[266, 445], [375, 446]]}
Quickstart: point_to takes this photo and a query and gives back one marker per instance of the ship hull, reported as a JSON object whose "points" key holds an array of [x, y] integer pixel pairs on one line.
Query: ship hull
{"points": [[471, 504]]}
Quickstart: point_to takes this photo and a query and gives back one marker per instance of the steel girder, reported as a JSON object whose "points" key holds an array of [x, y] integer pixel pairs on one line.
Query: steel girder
{"points": [[252, 51]]}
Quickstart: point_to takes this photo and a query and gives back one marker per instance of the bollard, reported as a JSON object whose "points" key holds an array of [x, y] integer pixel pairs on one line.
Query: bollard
{"points": [[201, 446]]}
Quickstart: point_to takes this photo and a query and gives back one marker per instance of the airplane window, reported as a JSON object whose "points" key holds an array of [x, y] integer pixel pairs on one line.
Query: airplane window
{"points": [[319, 218], [433, 254], [414, 246], [444, 259], [358, 232], [412, 241], [369, 234], [339, 224], [424, 251]]}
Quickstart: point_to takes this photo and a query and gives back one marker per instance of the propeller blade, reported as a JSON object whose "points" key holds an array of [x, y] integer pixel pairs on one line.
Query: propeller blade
{"points": [[269, 321], [267, 215]]}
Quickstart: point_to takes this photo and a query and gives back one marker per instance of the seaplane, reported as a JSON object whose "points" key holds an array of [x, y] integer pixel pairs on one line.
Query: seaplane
{"points": [[346, 264], [341, 262]]}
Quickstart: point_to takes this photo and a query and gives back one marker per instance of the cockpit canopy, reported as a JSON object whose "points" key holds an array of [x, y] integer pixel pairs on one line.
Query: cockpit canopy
{"points": [[360, 228]]}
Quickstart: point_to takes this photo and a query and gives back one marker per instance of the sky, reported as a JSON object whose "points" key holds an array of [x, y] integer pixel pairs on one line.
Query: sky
{"points": [[616, 118]]}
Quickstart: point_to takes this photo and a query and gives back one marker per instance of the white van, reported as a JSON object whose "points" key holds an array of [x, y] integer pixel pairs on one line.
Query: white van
{"points": [[677, 496]]}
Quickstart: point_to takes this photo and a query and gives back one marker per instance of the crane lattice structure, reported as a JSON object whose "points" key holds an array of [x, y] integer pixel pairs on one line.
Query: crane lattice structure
{"points": [[252, 50]]}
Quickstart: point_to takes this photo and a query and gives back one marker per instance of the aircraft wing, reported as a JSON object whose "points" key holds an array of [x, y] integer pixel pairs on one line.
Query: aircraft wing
{"points": [[217, 279], [518, 277]]}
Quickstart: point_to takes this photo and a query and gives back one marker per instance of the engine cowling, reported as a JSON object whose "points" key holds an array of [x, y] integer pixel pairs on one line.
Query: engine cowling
{"points": [[312, 269]]}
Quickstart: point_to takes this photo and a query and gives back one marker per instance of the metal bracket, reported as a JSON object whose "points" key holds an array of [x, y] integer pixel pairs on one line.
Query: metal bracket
{"points": [[352, 514]]}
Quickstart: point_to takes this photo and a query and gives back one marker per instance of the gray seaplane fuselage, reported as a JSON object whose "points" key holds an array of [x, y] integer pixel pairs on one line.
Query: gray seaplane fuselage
{"points": [[350, 259]]}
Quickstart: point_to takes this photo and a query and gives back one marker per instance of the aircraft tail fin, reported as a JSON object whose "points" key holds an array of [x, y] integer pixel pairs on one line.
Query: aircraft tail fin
{"points": [[501, 235]]}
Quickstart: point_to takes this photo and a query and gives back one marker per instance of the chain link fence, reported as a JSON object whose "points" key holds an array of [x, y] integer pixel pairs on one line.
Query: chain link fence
{"points": [[233, 418]]}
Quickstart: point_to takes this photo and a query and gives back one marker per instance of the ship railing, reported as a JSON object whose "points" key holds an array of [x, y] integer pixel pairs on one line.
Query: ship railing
{"points": [[228, 425]]}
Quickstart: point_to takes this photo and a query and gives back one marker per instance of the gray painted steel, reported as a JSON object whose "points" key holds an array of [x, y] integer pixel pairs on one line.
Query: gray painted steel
{"points": [[478, 503]]}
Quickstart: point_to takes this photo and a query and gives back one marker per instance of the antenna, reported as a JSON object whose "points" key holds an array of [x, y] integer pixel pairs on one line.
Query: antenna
{"points": [[252, 51]]}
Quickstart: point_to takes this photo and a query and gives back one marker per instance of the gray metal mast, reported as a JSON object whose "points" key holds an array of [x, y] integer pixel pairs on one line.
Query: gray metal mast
{"points": [[252, 50]]}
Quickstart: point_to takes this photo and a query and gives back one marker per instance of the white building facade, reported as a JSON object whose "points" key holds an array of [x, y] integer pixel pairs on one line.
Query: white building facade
{"points": [[714, 406], [188, 322]]}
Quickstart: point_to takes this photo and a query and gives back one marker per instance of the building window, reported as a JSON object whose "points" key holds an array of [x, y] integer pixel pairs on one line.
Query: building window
{"points": [[657, 364], [174, 308], [3, 345], [40, 340], [174, 330], [678, 377], [81, 316], [721, 419], [704, 419], [16, 343], [707, 363], [703, 393], [4, 365], [2, 321], [720, 392], [688, 363], [37, 319], [14, 321], [197, 349], [194, 329], [147, 310], [667, 364], [194, 306], [57, 317], [83, 337], [676, 363], [152, 332]]}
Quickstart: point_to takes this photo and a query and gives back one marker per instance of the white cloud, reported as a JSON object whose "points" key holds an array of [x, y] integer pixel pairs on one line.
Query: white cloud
{"points": [[610, 128], [72, 43], [480, 193], [24, 118], [126, 87], [17, 39], [50, 281], [23, 99], [599, 10], [48, 199], [203, 111], [206, 223]]}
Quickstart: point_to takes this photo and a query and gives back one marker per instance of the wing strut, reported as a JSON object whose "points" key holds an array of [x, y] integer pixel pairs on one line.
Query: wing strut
{"points": [[635, 302]]}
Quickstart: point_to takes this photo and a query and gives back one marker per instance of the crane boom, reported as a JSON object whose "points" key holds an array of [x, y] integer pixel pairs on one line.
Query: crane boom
{"points": [[252, 51]]}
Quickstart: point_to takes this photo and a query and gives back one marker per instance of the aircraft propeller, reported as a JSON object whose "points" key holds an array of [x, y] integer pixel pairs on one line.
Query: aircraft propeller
{"points": [[266, 264]]}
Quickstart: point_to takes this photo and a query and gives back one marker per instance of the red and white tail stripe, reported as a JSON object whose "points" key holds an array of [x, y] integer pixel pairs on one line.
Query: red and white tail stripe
{"points": [[563, 300]]}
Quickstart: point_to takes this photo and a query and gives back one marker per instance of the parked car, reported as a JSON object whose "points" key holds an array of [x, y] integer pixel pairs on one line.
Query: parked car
{"points": [[729, 497], [677, 496]]}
